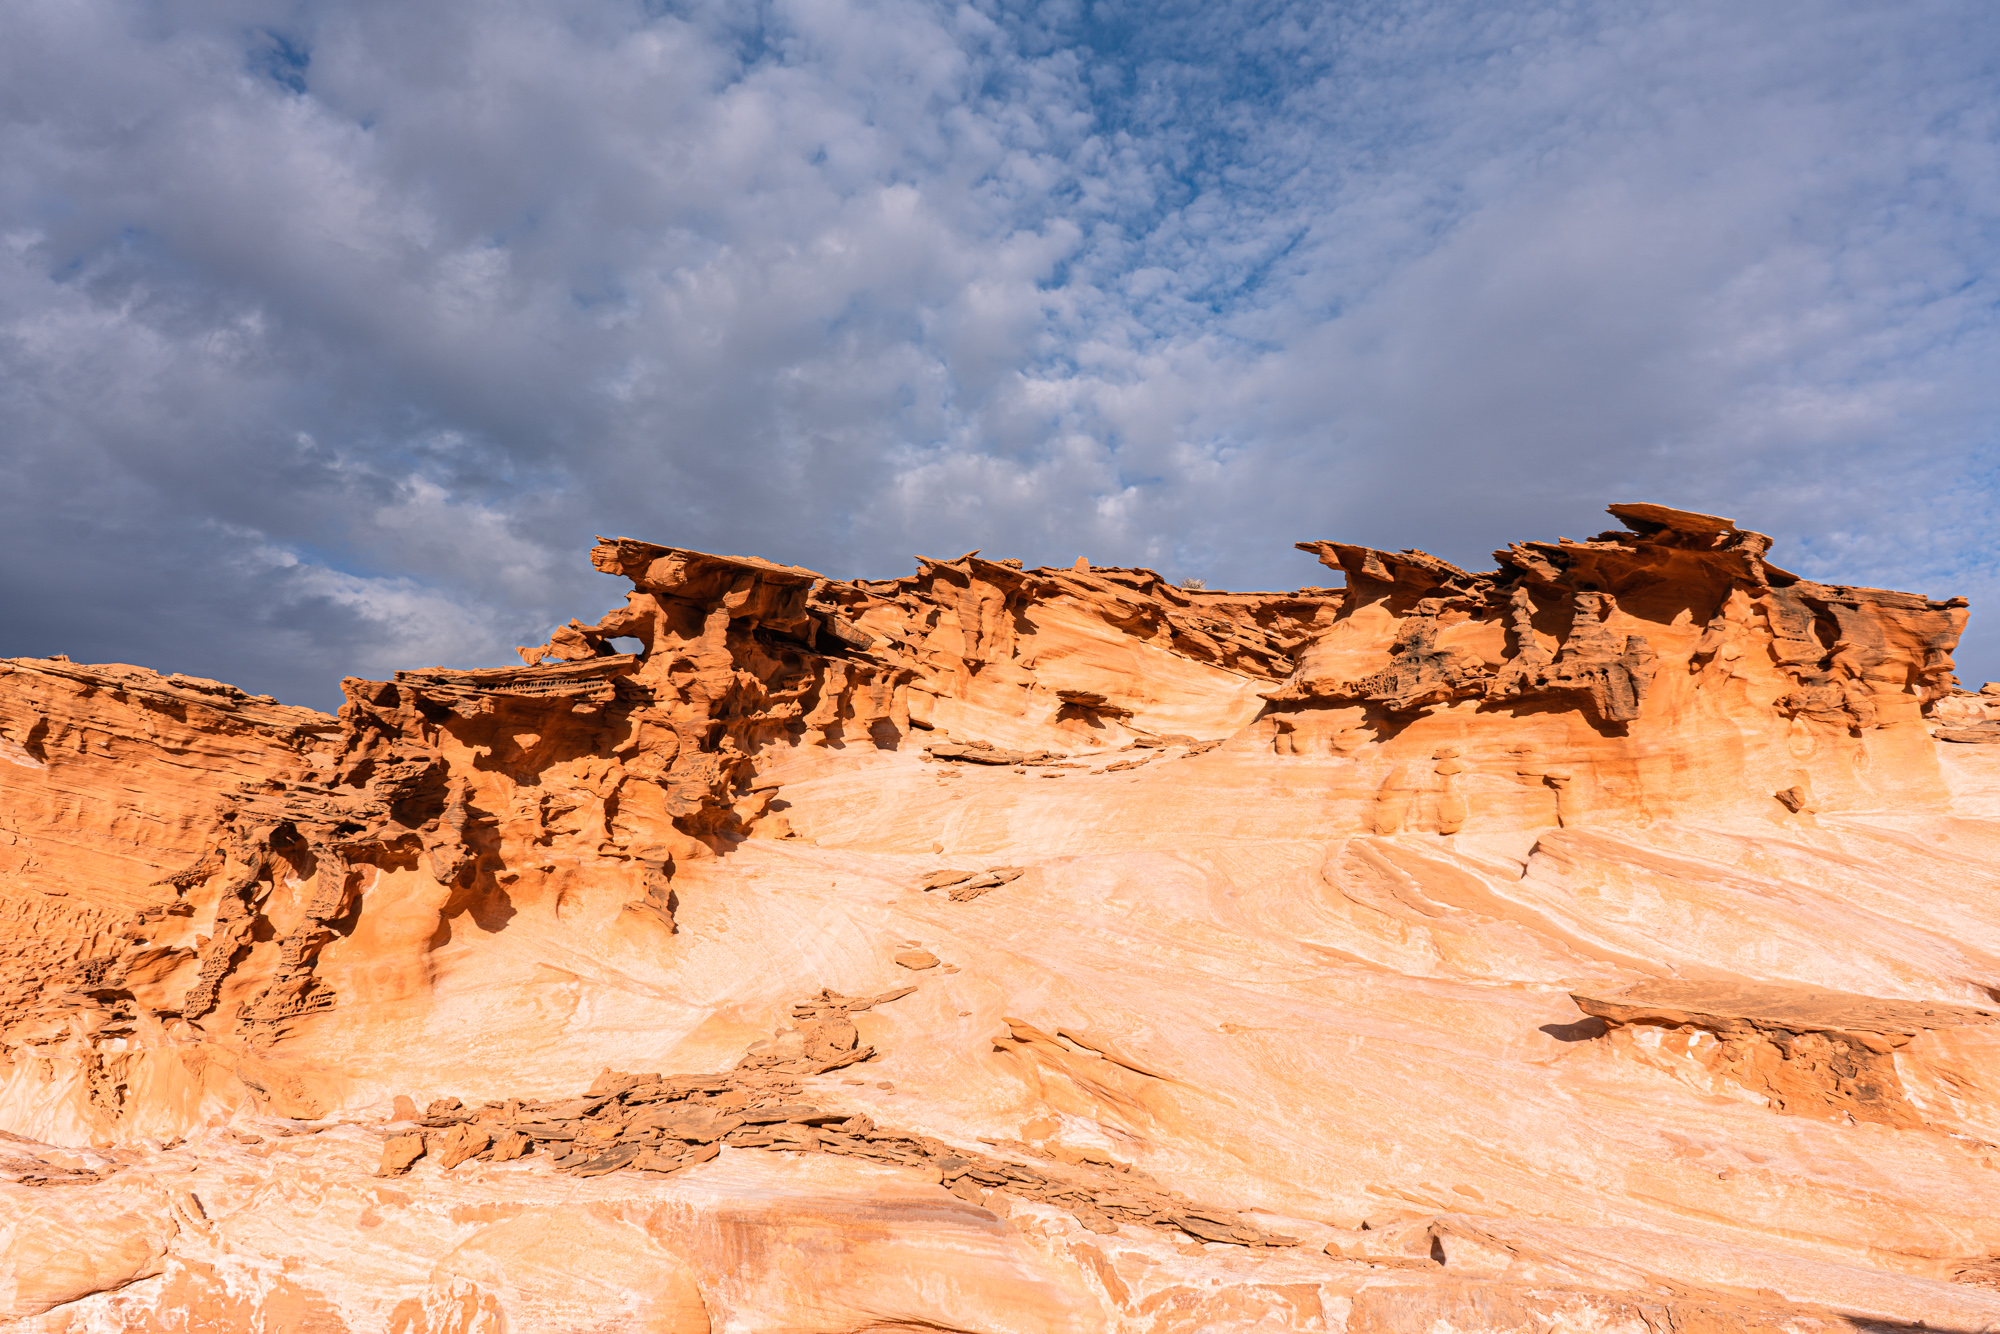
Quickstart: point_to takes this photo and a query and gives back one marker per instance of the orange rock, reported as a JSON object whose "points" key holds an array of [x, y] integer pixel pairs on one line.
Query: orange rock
{"points": [[399, 1153], [1593, 924], [461, 1143]]}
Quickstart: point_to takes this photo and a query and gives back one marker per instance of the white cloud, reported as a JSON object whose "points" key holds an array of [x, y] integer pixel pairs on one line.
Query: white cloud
{"points": [[311, 363]]}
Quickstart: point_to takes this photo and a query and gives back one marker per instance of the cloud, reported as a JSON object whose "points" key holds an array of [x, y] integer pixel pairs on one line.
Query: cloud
{"points": [[332, 334]]}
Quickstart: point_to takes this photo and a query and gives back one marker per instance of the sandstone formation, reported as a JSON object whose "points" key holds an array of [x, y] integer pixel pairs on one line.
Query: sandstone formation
{"points": [[1609, 941]]}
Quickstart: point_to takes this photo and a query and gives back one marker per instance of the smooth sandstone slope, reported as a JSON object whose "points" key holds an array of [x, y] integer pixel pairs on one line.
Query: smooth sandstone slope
{"points": [[1607, 942]]}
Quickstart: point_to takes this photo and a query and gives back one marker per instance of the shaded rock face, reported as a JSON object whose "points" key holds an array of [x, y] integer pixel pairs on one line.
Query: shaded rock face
{"points": [[1606, 941]]}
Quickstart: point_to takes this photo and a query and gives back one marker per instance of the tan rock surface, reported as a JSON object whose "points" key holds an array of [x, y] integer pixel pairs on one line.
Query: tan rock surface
{"points": [[1607, 942]]}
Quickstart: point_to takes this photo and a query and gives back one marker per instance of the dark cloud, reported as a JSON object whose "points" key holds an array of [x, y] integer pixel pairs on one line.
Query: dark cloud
{"points": [[330, 335]]}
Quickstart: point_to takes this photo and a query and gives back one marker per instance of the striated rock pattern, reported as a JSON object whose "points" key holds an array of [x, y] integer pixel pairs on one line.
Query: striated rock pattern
{"points": [[1608, 941]]}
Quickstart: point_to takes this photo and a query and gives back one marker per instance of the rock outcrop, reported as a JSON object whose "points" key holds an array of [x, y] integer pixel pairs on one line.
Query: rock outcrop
{"points": [[1603, 941], [1669, 665]]}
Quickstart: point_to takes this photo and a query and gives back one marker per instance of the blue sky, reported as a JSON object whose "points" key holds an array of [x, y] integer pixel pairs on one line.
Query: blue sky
{"points": [[330, 335]]}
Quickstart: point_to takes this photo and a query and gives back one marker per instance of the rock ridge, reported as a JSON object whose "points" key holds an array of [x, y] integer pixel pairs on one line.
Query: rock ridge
{"points": [[1495, 950]]}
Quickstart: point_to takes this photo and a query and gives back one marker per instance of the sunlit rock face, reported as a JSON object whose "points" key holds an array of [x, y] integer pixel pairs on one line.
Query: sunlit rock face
{"points": [[1608, 941]]}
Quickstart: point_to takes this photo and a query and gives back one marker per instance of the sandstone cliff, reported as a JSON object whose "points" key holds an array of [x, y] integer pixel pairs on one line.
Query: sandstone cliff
{"points": [[1607, 941]]}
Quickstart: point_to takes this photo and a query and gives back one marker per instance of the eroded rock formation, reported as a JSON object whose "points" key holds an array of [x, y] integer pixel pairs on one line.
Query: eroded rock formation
{"points": [[1604, 941]]}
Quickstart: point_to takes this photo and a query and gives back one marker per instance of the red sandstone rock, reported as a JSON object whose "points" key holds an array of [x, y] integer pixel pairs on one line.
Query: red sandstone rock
{"points": [[461, 1143], [399, 1153], [1321, 876]]}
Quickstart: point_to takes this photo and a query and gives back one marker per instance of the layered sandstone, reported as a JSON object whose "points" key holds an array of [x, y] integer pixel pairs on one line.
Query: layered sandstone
{"points": [[1606, 941]]}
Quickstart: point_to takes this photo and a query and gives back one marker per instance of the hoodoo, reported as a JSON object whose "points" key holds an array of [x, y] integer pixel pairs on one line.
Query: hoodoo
{"points": [[1606, 941]]}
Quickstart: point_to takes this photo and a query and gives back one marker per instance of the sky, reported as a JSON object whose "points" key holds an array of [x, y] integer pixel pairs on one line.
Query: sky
{"points": [[331, 335]]}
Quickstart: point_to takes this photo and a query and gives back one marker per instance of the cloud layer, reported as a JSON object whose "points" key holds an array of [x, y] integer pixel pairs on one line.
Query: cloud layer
{"points": [[331, 334]]}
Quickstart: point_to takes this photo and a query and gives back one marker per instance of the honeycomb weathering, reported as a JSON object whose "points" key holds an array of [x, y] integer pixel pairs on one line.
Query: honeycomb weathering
{"points": [[1604, 942]]}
